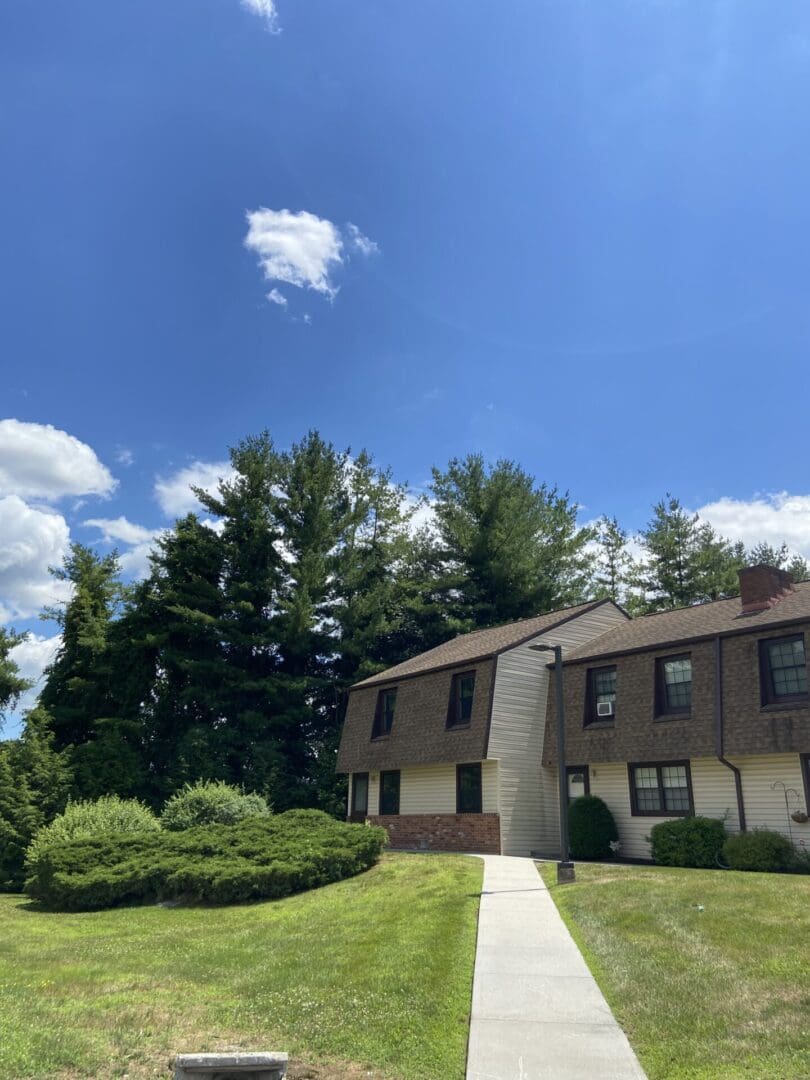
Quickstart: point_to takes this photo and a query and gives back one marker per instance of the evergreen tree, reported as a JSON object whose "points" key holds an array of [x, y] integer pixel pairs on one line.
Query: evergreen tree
{"points": [[39, 767], [782, 558], [668, 577], [717, 563], [77, 688], [512, 547], [615, 569], [19, 820], [12, 684]]}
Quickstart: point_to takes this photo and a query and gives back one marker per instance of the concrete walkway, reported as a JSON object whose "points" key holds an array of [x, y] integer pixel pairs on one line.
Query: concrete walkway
{"points": [[537, 1013]]}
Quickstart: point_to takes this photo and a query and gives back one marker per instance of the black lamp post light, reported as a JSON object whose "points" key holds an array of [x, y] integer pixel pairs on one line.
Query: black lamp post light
{"points": [[565, 868]]}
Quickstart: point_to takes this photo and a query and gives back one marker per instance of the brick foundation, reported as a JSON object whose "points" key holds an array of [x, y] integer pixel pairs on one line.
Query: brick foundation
{"points": [[443, 832]]}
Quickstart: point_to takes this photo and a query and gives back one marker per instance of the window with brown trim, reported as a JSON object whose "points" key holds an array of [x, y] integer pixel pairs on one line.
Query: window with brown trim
{"points": [[578, 781], [783, 670], [660, 789], [600, 695], [389, 792], [384, 713], [359, 807], [469, 797], [462, 692], [673, 685]]}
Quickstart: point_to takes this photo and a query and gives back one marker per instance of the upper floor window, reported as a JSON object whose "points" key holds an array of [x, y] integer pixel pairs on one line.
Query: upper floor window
{"points": [[384, 714], [783, 669], [673, 685], [468, 789], [663, 789], [600, 700], [462, 692]]}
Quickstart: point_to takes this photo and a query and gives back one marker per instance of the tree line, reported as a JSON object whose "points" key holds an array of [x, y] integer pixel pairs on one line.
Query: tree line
{"points": [[306, 571]]}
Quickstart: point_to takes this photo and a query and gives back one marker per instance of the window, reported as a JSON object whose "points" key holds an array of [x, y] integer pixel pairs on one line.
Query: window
{"points": [[783, 669], [578, 781], [662, 790], [462, 691], [359, 806], [673, 679], [389, 792], [601, 692], [384, 714], [468, 789], [805, 760]]}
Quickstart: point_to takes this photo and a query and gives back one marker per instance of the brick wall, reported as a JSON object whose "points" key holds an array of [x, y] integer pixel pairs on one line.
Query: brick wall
{"points": [[443, 832]]}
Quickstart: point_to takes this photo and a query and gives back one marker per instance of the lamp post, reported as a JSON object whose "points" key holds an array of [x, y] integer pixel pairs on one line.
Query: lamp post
{"points": [[565, 868]]}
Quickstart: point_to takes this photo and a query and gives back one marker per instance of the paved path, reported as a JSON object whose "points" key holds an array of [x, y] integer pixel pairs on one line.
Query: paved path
{"points": [[537, 1013]]}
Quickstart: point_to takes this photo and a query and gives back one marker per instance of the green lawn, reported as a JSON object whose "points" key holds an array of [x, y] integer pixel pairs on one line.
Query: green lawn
{"points": [[371, 976], [703, 995]]}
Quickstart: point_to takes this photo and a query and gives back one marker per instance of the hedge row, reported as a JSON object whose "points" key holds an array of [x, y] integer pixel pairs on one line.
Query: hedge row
{"points": [[256, 859]]}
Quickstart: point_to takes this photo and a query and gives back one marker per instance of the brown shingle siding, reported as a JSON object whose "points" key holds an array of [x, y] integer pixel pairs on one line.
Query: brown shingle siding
{"points": [[636, 735], [419, 735]]}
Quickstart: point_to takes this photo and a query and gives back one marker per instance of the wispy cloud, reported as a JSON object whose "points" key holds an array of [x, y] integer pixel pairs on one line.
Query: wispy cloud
{"points": [[301, 249], [174, 494], [266, 10]]}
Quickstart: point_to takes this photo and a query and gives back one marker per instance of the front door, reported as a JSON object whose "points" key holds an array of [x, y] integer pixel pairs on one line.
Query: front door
{"points": [[578, 780]]}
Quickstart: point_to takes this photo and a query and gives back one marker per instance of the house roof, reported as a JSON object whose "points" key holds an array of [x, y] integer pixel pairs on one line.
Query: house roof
{"points": [[692, 623], [479, 644]]}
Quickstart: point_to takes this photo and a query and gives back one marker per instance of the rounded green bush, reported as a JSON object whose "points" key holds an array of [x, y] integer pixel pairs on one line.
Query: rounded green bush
{"points": [[258, 858], [689, 841], [591, 828], [211, 802], [85, 820], [760, 849]]}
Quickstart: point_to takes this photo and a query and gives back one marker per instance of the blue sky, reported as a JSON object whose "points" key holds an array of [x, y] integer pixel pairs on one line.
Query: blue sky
{"points": [[569, 233]]}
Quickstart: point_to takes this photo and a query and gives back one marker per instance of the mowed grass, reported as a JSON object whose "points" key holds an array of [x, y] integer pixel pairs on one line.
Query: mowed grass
{"points": [[710, 994], [370, 976]]}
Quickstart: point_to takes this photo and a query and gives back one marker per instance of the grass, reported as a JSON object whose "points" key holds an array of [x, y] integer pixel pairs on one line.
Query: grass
{"points": [[368, 977], [711, 994]]}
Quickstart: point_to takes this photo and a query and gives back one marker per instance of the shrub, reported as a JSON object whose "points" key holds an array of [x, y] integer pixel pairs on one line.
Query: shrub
{"points": [[591, 828], [759, 849], [211, 802], [258, 858], [689, 841], [85, 820]]}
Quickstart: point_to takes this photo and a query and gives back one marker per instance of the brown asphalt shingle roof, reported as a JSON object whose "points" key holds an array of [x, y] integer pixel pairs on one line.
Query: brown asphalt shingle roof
{"points": [[479, 644], [700, 621]]}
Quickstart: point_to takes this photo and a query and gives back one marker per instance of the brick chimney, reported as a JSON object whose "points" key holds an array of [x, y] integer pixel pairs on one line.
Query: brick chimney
{"points": [[763, 586]]}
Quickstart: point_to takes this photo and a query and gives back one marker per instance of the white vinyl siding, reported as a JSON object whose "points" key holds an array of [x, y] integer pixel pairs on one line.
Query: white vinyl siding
{"points": [[714, 796], [528, 792], [431, 789], [764, 804]]}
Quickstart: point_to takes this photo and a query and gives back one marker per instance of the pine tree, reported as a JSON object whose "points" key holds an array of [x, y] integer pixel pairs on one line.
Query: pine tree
{"points": [[668, 578], [615, 569], [12, 684], [19, 820], [512, 546], [782, 558], [77, 688]]}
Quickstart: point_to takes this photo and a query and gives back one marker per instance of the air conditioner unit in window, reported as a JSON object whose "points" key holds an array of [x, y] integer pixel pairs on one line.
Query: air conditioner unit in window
{"points": [[604, 708]]}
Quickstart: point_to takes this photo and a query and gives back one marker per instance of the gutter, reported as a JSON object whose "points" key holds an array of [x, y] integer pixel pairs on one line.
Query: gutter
{"points": [[718, 728]]}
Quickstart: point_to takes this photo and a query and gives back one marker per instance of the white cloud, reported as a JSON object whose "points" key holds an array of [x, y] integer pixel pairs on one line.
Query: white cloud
{"points": [[301, 249], [774, 518], [122, 529], [275, 297], [32, 656], [174, 493], [124, 456], [31, 540], [360, 243], [41, 462], [265, 9]]}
